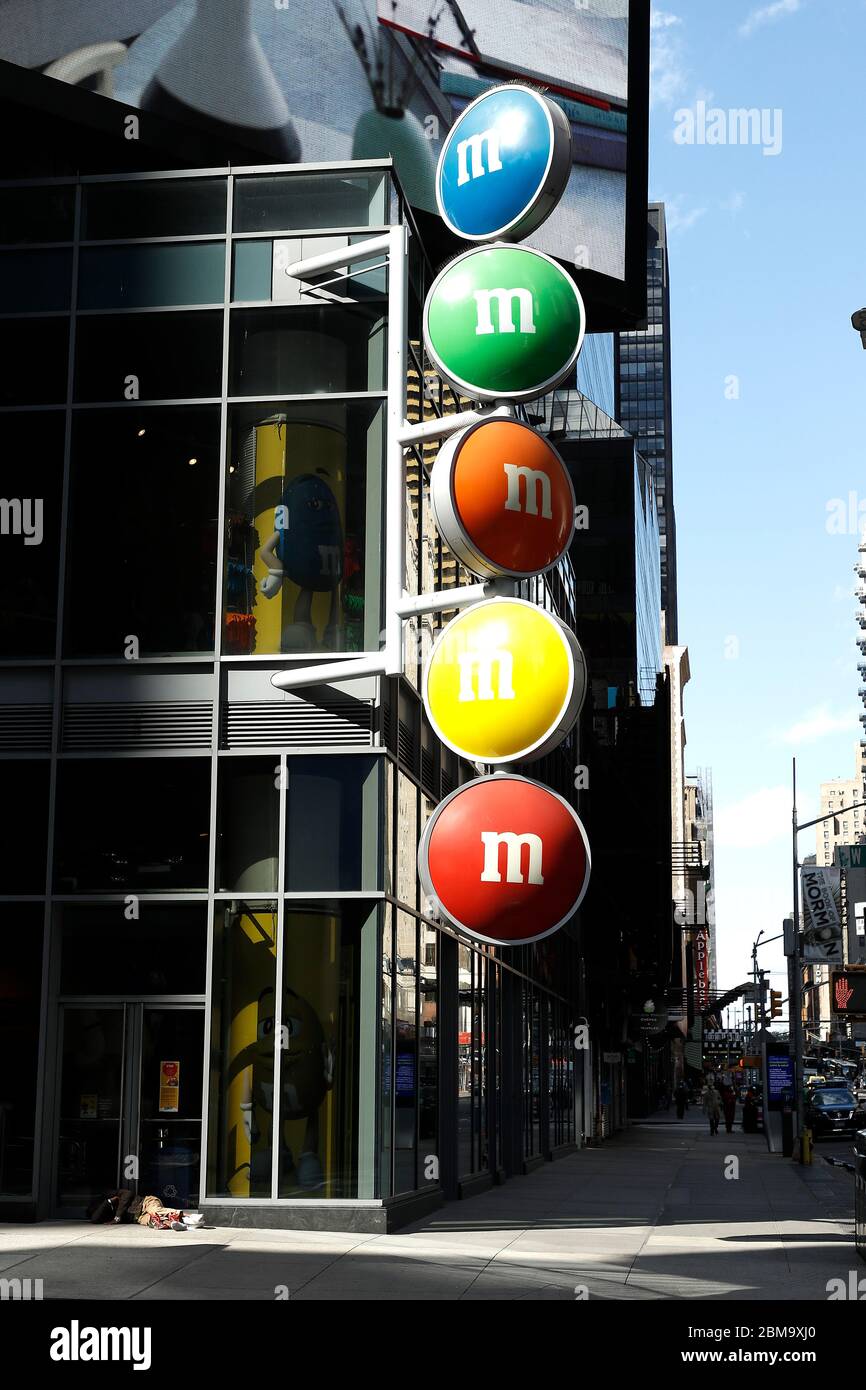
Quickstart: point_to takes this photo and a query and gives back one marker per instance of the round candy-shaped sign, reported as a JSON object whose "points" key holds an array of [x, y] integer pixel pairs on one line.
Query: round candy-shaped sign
{"points": [[503, 500], [505, 859], [504, 321], [504, 165], [504, 682]]}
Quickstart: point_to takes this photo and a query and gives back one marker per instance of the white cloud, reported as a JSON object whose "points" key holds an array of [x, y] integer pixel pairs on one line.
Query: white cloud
{"points": [[759, 819], [667, 68], [819, 723], [678, 218], [734, 204], [768, 15]]}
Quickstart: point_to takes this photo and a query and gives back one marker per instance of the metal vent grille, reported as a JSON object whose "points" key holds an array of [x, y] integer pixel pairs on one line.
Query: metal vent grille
{"points": [[407, 746], [25, 728], [163, 724], [337, 724]]}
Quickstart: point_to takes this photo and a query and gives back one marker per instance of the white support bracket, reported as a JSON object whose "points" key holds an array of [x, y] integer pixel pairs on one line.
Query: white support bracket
{"points": [[446, 425]]}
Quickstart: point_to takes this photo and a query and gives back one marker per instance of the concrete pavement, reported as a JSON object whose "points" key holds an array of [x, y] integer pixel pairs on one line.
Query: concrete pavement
{"points": [[662, 1211]]}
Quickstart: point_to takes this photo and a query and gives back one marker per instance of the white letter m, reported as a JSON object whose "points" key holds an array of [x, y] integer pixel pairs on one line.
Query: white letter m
{"points": [[514, 844]]}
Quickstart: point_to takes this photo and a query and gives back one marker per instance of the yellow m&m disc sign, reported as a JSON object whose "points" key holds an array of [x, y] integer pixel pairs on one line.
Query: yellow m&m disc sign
{"points": [[504, 682]]}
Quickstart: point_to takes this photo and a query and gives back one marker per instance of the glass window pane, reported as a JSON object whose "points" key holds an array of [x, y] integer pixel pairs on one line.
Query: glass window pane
{"points": [[308, 350], [162, 951], [242, 1050], [170, 355], [91, 1103], [21, 931], [34, 353], [249, 824], [286, 202], [253, 270], [406, 1058], [23, 826], [319, 1058], [428, 1058], [148, 208], [143, 531], [134, 277], [31, 459], [36, 214], [332, 824], [304, 520], [146, 826], [35, 281]]}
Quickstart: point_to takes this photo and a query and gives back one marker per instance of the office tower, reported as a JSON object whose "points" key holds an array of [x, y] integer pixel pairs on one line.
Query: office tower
{"points": [[642, 361]]}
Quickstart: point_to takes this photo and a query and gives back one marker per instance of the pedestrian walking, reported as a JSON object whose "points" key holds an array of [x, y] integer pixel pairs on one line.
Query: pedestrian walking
{"points": [[750, 1113], [681, 1097], [729, 1105], [712, 1107]]}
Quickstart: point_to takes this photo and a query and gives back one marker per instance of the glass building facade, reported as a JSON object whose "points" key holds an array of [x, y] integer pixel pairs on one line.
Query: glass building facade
{"points": [[643, 401], [215, 968]]}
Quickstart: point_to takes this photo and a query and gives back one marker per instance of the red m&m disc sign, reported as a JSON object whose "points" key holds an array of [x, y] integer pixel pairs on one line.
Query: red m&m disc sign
{"points": [[503, 500], [506, 860]]}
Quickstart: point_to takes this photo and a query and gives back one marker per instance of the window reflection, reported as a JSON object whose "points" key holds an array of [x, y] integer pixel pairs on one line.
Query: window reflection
{"points": [[143, 533]]}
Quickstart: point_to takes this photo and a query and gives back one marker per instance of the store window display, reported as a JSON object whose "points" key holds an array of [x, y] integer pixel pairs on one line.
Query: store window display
{"points": [[303, 528], [298, 1071]]}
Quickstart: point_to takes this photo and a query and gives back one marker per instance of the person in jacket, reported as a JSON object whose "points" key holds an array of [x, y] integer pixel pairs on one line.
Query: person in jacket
{"points": [[124, 1205], [750, 1113], [729, 1105], [712, 1107]]}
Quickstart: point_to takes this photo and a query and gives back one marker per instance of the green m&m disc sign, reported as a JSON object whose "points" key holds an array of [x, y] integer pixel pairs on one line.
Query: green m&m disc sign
{"points": [[504, 321]]}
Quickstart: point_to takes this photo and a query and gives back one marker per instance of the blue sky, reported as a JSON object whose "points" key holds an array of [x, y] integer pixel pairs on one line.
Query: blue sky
{"points": [[768, 262]]}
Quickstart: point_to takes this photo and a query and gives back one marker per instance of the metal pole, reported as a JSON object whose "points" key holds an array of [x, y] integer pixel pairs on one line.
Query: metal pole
{"points": [[796, 1006]]}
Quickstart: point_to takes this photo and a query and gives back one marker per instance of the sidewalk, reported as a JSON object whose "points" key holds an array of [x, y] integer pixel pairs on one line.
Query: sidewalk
{"points": [[648, 1215]]}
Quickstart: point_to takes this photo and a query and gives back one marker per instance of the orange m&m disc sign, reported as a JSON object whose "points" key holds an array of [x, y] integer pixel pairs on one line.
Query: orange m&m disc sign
{"points": [[503, 500]]}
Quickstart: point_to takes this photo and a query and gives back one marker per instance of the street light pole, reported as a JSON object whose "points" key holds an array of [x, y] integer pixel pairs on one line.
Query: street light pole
{"points": [[795, 1008]]}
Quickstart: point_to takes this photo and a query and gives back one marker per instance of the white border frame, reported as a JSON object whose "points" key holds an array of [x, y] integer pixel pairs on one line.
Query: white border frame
{"points": [[424, 861]]}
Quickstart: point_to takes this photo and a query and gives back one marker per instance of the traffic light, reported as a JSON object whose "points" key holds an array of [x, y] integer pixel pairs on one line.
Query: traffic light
{"points": [[848, 992], [775, 1003]]}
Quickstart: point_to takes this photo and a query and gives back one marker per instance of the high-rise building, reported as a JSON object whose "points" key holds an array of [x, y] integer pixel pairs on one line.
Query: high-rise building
{"points": [[848, 827], [642, 364]]}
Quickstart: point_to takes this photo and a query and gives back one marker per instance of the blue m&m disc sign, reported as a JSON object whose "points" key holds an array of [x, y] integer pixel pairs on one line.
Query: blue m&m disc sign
{"points": [[504, 166]]}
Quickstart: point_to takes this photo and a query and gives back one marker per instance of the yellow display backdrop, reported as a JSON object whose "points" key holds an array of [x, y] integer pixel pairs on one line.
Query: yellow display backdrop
{"points": [[304, 1109], [292, 459], [505, 682]]}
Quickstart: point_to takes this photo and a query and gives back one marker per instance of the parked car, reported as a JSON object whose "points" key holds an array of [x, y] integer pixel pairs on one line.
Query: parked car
{"points": [[833, 1110]]}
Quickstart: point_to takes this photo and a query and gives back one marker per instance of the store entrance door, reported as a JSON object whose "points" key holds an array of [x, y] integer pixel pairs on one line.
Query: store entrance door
{"points": [[129, 1102]]}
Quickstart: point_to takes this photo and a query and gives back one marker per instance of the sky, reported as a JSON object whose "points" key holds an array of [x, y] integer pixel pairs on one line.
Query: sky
{"points": [[767, 264]]}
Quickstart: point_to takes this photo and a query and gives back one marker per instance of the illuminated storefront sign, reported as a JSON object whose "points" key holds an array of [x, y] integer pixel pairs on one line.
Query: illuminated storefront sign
{"points": [[503, 500], [505, 682], [504, 321], [504, 166], [504, 859]]}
